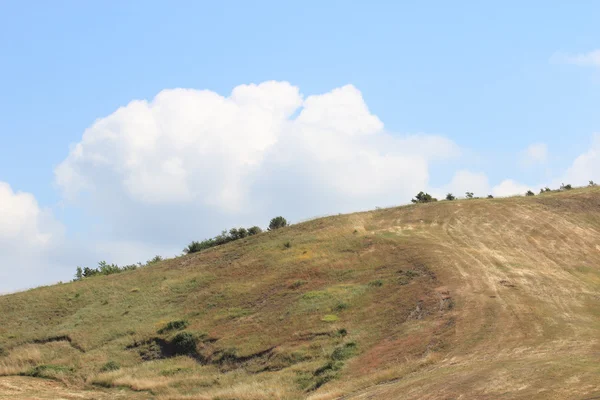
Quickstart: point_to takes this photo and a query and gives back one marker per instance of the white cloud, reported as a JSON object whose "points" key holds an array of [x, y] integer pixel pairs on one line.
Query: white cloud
{"points": [[508, 187], [465, 181], [586, 167], [29, 237], [591, 58], [536, 153], [191, 162]]}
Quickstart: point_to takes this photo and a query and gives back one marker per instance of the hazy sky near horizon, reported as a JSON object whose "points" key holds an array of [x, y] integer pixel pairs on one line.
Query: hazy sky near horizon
{"points": [[130, 128]]}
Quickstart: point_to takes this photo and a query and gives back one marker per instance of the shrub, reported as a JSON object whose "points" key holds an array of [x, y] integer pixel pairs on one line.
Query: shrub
{"points": [[450, 196], [529, 193], [277, 222], [48, 371], [239, 233], [342, 332], [3, 352], [592, 183], [489, 196], [184, 343], [110, 366], [344, 352], [193, 247], [287, 245], [175, 325], [546, 189], [469, 195], [566, 187], [154, 260], [103, 269], [376, 283], [423, 197], [255, 230], [79, 274], [297, 284]]}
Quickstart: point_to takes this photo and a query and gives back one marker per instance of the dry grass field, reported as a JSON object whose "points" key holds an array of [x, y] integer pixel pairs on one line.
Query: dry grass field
{"points": [[466, 299]]}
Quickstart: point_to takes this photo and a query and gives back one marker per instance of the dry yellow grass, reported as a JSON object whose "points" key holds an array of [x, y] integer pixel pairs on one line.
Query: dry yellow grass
{"points": [[474, 299]]}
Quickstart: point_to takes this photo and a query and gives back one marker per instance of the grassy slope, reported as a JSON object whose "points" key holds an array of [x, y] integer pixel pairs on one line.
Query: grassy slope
{"points": [[482, 298]]}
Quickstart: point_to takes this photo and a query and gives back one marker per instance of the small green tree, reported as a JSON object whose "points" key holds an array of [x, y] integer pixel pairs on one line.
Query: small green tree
{"points": [[450, 196], [469, 195], [529, 193], [154, 260], [79, 274], [592, 183], [489, 196], [255, 230], [193, 247], [566, 187], [277, 222], [423, 197]]}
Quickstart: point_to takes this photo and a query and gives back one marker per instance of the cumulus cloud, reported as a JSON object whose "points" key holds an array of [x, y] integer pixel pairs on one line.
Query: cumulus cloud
{"points": [[465, 181], [29, 237], [190, 161], [509, 187], [591, 58], [536, 153], [586, 167]]}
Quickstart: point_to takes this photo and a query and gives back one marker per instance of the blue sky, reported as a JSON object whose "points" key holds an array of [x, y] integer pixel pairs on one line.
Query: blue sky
{"points": [[492, 79]]}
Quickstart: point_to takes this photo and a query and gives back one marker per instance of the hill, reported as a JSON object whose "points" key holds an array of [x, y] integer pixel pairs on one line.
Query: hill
{"points": [[474, 299]]}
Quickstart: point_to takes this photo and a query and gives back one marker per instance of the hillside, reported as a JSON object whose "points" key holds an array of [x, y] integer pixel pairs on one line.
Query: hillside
{"points": [[471, 299]]}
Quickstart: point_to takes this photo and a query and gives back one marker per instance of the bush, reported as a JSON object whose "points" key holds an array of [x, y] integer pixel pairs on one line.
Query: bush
{"points": [[255, 230], [184, 343], [193, 247], [103, 269], [174, 326], [592, 183], [469, 195], [344, 352], [450, 196], [423, 197], [48, 371], [3, 352], [154, 260], [543, 190], [566, 187], [110, 366], [489, 196], [277, 222], [287, 245], [529, 193]]}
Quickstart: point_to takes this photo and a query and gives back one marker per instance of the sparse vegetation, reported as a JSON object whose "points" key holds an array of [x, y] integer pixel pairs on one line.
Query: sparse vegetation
{"points": [[529, 193], [489, 196], [337, 314], [110, 366], [566, 187], [450, 196], [469, 195], [591, 183]]}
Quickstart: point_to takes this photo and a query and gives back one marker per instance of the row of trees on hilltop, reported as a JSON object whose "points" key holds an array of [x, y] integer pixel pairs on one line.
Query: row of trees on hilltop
{"points": [[423, 197], [233, 234], [105, 268]]}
